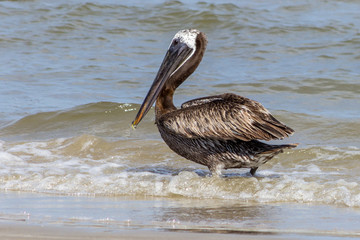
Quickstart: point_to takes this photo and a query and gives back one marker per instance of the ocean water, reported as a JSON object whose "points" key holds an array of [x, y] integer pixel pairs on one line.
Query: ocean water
{"points": [[73, 75]]}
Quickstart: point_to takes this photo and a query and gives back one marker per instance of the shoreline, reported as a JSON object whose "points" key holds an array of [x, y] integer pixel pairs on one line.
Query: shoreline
{"points": [[45, 216], [23, 231]]}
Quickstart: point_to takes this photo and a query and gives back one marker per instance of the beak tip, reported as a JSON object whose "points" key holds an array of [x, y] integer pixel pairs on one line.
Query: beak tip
{"points": [[133, 126]]}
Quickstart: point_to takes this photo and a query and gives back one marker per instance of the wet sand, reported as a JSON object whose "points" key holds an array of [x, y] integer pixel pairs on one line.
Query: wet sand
{"points": [[23, 231], [50, 216]]}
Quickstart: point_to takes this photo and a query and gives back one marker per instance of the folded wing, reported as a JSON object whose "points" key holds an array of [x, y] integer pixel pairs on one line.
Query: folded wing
{"points": [[227, 117]]}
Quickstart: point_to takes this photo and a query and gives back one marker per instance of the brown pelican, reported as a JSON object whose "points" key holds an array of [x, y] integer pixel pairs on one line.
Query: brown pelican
{"points": [[220, 132]]}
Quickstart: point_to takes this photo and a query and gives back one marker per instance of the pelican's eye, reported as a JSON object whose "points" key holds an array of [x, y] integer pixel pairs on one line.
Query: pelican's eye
{"points": [[176, 41]]}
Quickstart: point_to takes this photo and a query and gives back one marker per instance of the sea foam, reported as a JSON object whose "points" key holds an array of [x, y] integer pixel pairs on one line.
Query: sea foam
{"points": [[88, 165]]}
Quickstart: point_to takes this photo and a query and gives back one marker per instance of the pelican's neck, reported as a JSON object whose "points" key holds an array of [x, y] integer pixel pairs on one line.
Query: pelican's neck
{"points": [[164, 102]]}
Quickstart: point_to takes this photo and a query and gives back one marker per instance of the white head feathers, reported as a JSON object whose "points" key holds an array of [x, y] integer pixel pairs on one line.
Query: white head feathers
{"points": [[187, 36]]}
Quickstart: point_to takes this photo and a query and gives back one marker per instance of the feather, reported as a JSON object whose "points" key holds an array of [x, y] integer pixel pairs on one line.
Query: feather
{"points": [[227, 117]]}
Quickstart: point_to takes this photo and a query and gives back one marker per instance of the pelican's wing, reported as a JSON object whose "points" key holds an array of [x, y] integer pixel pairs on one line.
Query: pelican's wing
{"points": [[226, 116], [200, 101]]}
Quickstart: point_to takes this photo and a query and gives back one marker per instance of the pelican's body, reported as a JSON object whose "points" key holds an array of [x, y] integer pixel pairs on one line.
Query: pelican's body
{"points": [[220, 131]]}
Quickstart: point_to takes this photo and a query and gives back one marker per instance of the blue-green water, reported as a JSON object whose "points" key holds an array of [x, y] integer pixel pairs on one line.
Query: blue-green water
{"points": [[74, 73]]}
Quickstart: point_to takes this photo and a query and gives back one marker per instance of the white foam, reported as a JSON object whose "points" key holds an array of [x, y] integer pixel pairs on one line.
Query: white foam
{"points": [[8, 159], [59, 167], [313, 168]]}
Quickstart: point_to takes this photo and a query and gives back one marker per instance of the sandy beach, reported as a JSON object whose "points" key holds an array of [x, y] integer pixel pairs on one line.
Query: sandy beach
{"points": [[23, 231], [48, 216]]}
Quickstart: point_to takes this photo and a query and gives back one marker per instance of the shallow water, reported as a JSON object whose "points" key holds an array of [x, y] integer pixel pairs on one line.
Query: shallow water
{"points": [[104, 214], [74, 74]]}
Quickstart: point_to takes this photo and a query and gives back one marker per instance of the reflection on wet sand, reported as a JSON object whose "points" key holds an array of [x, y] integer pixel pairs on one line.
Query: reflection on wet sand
{"points": [[116, 214]]}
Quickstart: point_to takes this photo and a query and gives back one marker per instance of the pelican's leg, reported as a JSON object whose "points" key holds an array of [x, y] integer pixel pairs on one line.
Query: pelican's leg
{"points": [[216, 170], [253, 170]]}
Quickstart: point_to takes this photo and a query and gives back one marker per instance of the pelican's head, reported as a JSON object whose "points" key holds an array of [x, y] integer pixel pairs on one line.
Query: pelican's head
{"points": [[183, 42], [182, 48]]}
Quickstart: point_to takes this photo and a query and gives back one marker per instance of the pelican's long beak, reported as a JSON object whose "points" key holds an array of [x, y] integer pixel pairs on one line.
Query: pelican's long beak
{"points": [[175, 57]]}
